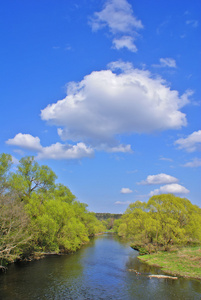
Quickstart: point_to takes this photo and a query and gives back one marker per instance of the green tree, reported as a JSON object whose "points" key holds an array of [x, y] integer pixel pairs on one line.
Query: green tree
{"points": [[175, 218], [30, 177], [38, 215], [55, 225], [63, 193], [164, 220], [5, 164]]}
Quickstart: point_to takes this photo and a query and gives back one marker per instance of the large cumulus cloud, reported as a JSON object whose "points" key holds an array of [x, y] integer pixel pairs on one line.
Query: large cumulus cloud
{"points": [[108, 103]]}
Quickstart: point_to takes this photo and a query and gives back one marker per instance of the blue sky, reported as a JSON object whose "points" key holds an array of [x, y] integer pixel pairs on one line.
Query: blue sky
{"points": [[106, 93]]}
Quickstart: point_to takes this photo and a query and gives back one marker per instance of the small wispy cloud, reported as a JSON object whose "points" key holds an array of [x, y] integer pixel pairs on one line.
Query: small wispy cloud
{"points": [[193, 23], [196, 162], [166, 159], [163, 25], [118, 17], [191, 143], [68, 48], [124, 42], [126, 191], [166, 62], [122, 202], [115, 149]]}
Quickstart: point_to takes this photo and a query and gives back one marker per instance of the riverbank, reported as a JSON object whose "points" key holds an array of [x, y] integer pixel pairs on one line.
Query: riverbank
{"points": [[185, 262], [37, 255]]}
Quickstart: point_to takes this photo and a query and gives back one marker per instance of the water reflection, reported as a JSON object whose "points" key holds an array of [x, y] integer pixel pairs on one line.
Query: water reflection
{"points": [[98, 271]]}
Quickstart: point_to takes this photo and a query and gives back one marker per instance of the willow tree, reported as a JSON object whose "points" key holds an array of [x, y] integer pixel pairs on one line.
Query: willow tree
{"points": [[14, 235], [179, 221], [164, 220], [31, 177], [5, 165]]}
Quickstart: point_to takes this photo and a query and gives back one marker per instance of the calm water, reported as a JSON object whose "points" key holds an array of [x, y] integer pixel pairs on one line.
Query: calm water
{"points": [[98, 271]]}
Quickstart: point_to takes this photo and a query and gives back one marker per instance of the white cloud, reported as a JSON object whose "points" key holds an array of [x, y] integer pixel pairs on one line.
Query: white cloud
{"points": [[166, 62], [105, 104], [196, 162], [117, 16], [173, 188], [120, 65], [61, 151], [166, 159], [159, 179], [193, 23], [125, 42], [55, 151], [117, 149], [122, 202], [192, 143], [25, 141], [126, 191], [163, 25]]}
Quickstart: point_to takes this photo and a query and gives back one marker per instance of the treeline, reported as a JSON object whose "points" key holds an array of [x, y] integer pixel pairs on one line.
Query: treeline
{"points": [[108, 220], [38, 215], [105, 216], [162, 223]]}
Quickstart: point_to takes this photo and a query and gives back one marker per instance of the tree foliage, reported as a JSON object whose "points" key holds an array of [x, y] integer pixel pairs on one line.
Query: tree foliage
{"points": [[5, 165], [31, 177], [109, 221], [36, 214], [163, 221]]}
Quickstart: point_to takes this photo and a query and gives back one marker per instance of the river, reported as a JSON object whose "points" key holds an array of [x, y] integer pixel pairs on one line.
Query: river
{"points": [[100, 270]]}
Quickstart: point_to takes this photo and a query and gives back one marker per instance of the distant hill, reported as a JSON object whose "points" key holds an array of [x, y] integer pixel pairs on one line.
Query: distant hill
{"points": [[105, 216]]}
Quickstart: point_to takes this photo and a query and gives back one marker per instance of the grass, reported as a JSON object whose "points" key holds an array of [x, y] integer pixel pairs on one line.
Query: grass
{"points": [[185, 262]]}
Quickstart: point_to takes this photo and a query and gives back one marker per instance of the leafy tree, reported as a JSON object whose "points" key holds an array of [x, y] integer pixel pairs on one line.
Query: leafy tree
{"points": [[30, 177], [56, 227], [175, 216], [5, 164], [38, 215], [116, 225], [105, 216], [63, 193], [60, 224], [164, 220]]}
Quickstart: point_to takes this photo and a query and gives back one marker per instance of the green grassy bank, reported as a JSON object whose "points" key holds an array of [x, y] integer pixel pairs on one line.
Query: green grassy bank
{"points": [[185, 262]]}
